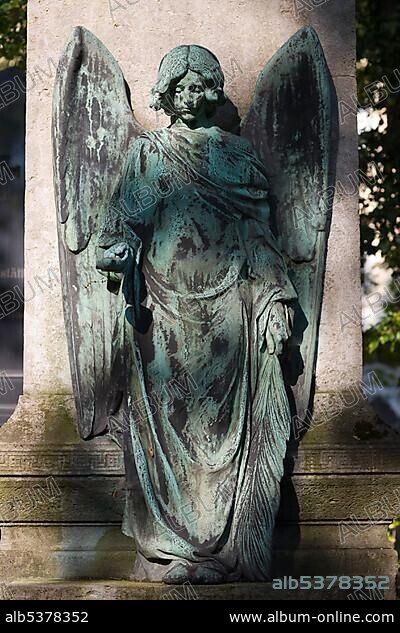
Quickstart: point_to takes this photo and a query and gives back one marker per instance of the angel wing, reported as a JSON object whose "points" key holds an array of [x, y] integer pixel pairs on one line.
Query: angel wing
{"points": [[292, 124], [93, 127]]}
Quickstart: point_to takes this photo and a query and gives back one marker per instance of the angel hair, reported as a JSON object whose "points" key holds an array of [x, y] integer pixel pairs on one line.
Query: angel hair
{"points": [[174, 66]]}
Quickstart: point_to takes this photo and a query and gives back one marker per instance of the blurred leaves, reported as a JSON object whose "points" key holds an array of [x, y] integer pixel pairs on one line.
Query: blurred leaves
{"points": [[384, 337], [378, 54], [378, 81], [393, 534], [13, 33]]}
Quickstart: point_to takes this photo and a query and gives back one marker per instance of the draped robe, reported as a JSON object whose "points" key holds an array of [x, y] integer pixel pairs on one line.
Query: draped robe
{"points": [[208, 416]]}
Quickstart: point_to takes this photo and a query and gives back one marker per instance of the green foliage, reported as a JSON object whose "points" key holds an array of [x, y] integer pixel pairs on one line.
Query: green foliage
{"points": [[384, 338], [393, 534], [378, 41], [13, 33], [378, 54]]}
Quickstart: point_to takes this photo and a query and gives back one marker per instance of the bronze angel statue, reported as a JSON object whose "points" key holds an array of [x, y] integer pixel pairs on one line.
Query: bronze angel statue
{"points": [[192, 260]]}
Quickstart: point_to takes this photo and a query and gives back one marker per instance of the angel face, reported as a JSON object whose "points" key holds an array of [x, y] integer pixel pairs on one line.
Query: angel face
{"points": [[189, 86], [189, 101]]}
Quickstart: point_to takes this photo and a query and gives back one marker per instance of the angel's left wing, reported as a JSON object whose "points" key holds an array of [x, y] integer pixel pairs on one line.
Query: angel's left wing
{"points": [[292, 124], [93, 128]]}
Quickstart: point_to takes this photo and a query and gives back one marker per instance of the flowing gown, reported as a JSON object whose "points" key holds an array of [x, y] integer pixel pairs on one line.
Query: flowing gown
{"points": [[208, 412]]}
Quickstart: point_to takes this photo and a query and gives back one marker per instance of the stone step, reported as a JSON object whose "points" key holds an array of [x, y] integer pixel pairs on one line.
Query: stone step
{"points": [[102, 551], [125, 590]]}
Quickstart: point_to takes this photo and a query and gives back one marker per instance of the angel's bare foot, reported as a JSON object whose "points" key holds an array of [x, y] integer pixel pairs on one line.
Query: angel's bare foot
{"points": [[193, 573], [178, 575], [203, 575]]}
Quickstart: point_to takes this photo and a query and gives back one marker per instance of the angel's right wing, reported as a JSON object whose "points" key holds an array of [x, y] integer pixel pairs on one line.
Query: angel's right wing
{"points": [[93, 128]]}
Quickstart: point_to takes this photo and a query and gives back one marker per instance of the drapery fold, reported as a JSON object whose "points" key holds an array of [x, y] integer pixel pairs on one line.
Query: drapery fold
{"points": [[208, 412]]}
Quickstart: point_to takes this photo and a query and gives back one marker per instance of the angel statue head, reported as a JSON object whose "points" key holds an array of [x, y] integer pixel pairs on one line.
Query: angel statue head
{"points": [[189, 86]]}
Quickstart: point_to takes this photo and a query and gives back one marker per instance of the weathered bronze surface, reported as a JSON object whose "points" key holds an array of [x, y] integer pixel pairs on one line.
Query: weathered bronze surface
{"points": [[192, 262]]}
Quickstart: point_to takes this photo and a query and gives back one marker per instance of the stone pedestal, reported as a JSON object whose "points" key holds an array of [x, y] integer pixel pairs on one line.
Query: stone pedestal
{"points": [[341, 492], [61, 499]]}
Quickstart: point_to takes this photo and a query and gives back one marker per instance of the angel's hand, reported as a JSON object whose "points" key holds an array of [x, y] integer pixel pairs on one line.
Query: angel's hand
{"points": [[114, 259], [278, 328]]}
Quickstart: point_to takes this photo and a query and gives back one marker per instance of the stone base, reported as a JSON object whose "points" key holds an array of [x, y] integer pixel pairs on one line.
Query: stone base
{"points": [[61, 499], [65, 552], [124, 590]]}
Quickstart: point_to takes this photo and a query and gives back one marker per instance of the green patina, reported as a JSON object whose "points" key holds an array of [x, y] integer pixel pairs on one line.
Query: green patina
{"points": [[212, 250]]}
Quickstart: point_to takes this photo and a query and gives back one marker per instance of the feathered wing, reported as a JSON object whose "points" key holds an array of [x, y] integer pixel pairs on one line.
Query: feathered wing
{"points": [[93, 127], [260, 494], [292, 124]]}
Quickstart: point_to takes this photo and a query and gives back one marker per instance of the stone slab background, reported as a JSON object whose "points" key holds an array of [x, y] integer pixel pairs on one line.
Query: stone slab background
{"points": [[244, 34]]}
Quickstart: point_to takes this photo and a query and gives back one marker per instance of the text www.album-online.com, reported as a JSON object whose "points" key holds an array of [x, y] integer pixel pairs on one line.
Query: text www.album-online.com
{"points": [[337, 617]]}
